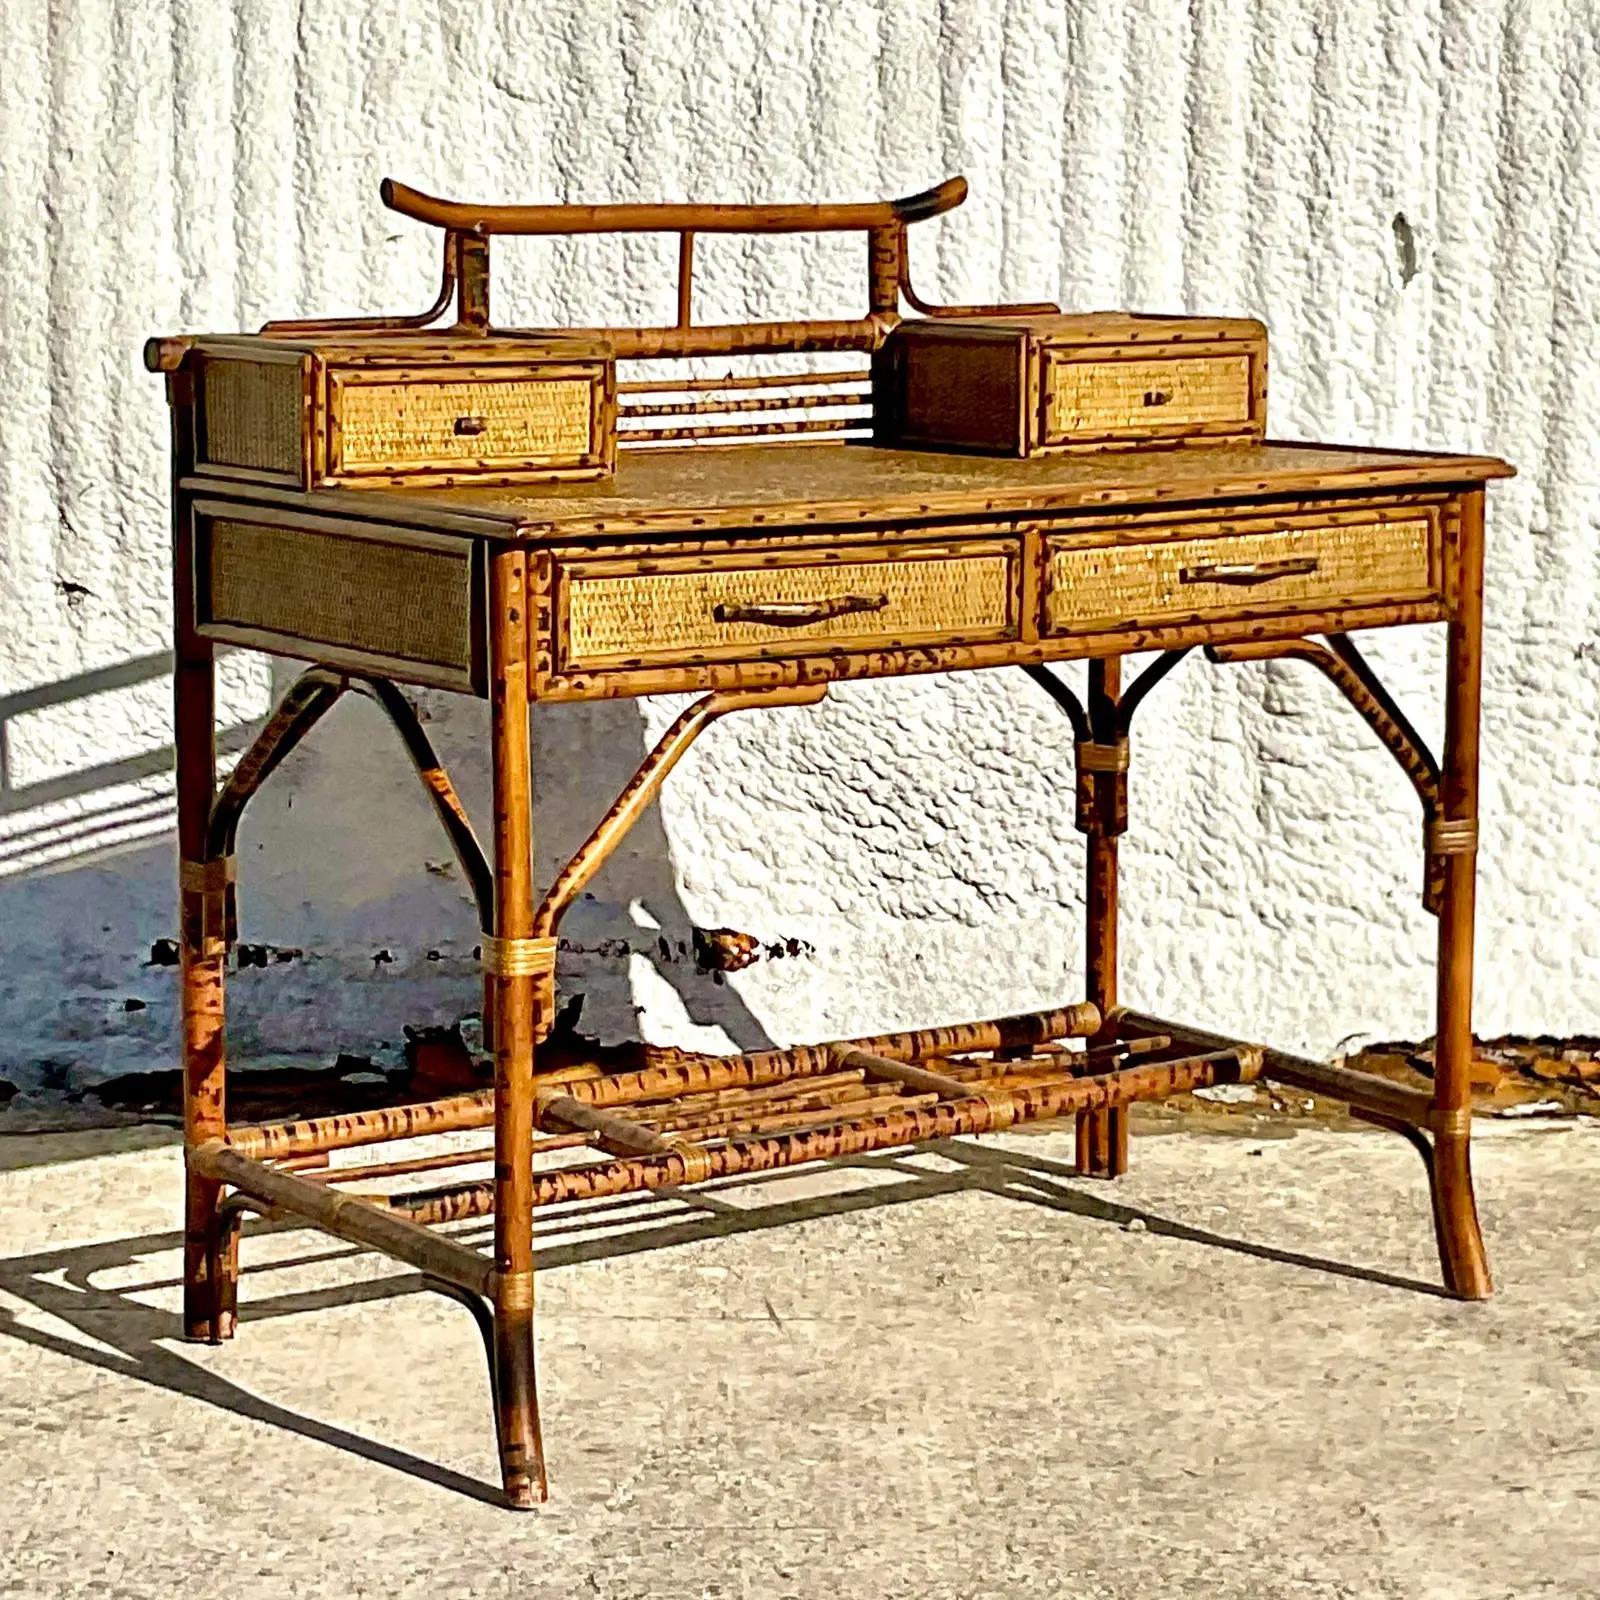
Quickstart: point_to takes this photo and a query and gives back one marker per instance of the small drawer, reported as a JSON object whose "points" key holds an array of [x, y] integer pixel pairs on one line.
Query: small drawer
{"points": [[1026, 386], [386, 412], [1107, 399], [446, 420], [1255, 567], [732, 607]]}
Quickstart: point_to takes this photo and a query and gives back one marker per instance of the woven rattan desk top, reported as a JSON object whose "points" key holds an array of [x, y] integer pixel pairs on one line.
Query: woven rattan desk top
{"points": [[765, 486]]}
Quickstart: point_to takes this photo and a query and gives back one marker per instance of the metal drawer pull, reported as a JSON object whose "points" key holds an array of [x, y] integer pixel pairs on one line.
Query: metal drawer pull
{"points": [[798, 613], [1248, 572], [469, 427]]}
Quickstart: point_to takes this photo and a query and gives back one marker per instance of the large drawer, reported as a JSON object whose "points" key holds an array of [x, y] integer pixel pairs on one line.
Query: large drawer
{"points": [[729, 606], [1242, 567]]}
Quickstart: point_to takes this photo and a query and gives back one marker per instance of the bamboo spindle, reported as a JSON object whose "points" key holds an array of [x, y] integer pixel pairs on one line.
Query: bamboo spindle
{"points": [[685, 277]]}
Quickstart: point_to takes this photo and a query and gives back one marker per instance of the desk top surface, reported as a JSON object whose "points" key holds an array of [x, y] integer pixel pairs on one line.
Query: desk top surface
{"points": [[768, 487]]}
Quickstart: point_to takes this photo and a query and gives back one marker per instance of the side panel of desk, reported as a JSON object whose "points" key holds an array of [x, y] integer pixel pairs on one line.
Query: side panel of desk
{"points": [[372, 597]]}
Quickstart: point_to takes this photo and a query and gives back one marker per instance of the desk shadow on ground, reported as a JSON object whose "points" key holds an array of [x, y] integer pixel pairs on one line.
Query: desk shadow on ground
{"points": [[584, 756], [133, 1339], [87, 888]]}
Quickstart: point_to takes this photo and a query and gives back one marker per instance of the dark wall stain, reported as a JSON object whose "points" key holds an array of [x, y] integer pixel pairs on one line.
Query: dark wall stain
{"points": [[1405, 247]]}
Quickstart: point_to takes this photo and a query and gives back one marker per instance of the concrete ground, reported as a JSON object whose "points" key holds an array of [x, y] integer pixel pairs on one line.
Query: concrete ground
{"points": [[1225, 1376]]}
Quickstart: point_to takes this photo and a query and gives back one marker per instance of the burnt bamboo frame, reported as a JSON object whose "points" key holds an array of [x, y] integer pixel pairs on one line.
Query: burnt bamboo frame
{"points": [[681, 1118]]}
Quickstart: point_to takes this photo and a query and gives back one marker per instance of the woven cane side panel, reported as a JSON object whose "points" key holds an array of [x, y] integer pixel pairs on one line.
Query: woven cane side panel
{"points": [[251, 415], [1284, 568], [965, 392], [354, 593], [1095, 397], [412, 426], [665, 616]]}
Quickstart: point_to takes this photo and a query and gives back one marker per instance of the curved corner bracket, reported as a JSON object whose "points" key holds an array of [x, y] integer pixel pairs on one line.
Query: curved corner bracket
{"points": [[1409, 1131], [442, 794], [1064, 696], [1133, 696], [310, 697], [406, 322], [483, 1319], [1349, 671], [1100, 740], [646, 784], [929, 308]]}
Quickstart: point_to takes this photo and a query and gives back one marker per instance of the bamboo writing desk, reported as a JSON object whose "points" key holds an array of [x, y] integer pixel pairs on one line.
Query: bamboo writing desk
{"points": [[753, 544]]}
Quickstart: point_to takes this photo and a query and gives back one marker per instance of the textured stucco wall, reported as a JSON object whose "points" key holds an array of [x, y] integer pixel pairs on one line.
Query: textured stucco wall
{"points": [[1408, 191]]}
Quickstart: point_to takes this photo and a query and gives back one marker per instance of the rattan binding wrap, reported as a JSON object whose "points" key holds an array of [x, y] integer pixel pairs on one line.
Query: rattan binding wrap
{"points": [[1446, 836], [1098, 397], [251, 415], [659, 614], [208, 877], [1095, 756], [518, 958], [358, 594], [1118, 582], [406, 426]]}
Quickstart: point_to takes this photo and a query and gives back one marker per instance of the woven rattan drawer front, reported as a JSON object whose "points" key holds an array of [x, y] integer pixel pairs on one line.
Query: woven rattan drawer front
{"points": [[1106, 398], [447, 421], [350, 600], [697, 608], [1249, 567]]}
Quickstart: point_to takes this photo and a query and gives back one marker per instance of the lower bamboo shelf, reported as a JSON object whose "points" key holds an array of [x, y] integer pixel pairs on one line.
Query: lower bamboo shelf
{"points": [[684, 1118]]}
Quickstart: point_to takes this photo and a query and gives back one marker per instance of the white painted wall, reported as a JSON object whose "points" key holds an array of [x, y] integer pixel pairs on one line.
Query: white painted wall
{"points": [[192, 165]]}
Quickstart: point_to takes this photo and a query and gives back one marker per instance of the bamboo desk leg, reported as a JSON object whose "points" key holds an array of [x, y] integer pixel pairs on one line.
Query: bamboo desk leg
{"points": [[203, 958], [516, 996], [1461, 1251], [1102, 1136]]}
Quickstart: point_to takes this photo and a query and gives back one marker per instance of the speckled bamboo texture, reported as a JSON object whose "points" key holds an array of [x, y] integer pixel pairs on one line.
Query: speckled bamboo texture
{"points": [[1401, 190]]}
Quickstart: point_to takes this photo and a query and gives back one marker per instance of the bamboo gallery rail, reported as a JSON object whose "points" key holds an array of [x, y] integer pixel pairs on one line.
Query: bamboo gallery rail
{"points": [[997, 486]]}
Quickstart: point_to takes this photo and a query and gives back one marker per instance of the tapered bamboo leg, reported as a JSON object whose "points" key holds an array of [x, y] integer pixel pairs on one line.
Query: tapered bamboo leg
{"points": [[515, 1024], [1102, 1135], [1465, 1266], [203, 955]]}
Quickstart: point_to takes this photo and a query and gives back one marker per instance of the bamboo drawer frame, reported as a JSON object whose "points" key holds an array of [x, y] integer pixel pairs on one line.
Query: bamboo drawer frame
{"points": [[793, 553]]}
